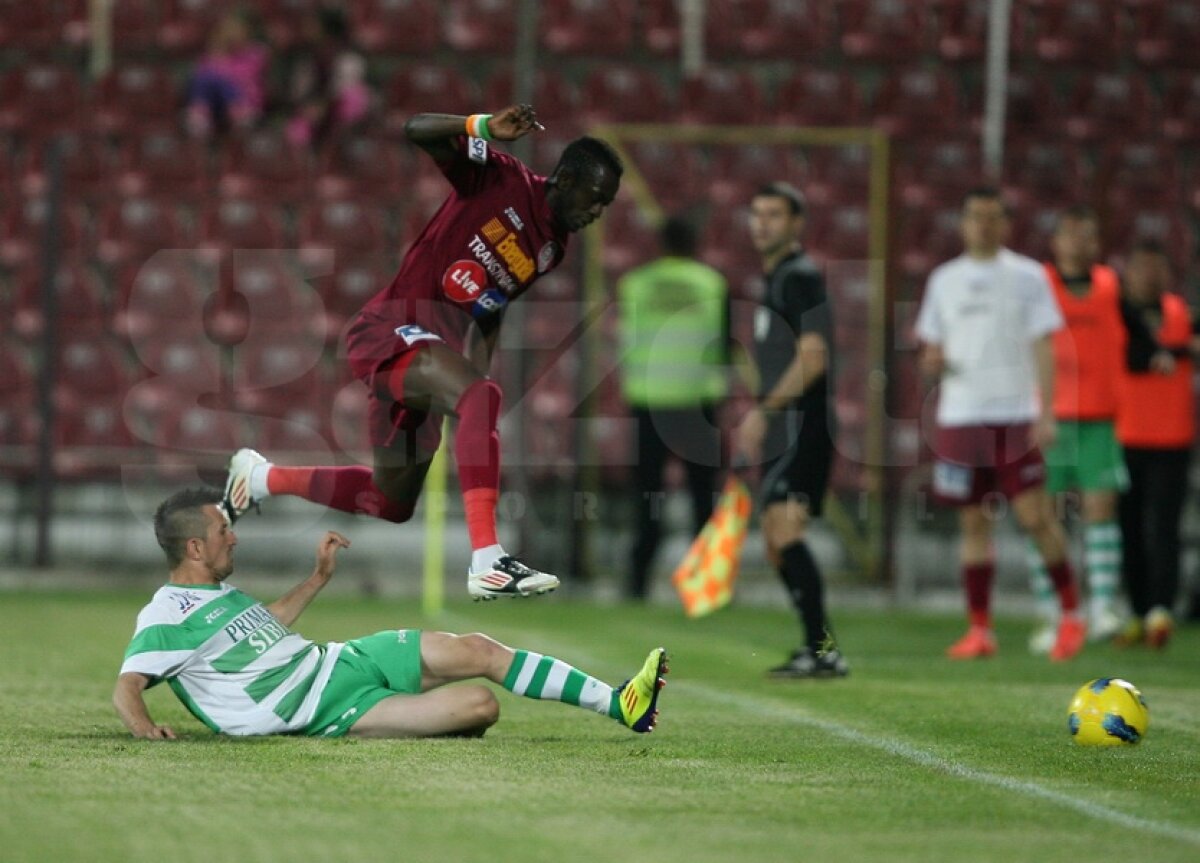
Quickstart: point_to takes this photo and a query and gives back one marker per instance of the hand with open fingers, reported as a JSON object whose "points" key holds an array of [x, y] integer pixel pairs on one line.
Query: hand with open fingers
{"points": [[157, 732], [327, 550], [515, 121]]}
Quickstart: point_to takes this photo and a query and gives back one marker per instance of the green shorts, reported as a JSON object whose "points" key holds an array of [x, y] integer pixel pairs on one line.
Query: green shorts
{"points": [[1086, 457], [368, 670]]}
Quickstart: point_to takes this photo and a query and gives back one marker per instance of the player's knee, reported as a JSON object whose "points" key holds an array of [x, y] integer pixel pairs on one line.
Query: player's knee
{"points": [[482, 707], [485, 651]]}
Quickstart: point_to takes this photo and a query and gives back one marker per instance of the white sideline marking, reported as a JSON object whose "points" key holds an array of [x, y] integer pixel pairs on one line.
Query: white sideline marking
{"points": [[760, 706]]}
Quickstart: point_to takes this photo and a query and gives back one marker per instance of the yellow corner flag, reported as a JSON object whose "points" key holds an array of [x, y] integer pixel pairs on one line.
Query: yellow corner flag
{"points": [[706, 577]]}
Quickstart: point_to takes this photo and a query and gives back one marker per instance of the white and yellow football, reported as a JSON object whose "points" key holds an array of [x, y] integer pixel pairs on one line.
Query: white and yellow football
{"points": [[1108, 711]]}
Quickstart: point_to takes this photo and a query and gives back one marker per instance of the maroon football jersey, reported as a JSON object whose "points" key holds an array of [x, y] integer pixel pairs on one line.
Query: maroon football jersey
{"points": [[491, 239]]}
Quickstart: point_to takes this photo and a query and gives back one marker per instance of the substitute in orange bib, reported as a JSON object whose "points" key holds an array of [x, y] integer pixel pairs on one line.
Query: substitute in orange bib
{"points": [[1156, 425]]}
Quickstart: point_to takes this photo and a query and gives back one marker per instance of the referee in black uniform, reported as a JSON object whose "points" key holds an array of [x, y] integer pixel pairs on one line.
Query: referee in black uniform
{"points": [[790, 432]]}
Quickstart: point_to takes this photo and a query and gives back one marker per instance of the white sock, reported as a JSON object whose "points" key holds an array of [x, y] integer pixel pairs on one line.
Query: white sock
{"points": [[483, 559], [258, 481]]}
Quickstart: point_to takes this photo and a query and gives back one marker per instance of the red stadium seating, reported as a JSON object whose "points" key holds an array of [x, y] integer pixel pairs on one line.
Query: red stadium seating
{"points": [[395, 26], [186, 25], [1166, 224], [1181, 108], [40, 98], [188, 437], [275, 370], [840, 233], [725, 242], [938, 174], [737, 172], [917, 103], [1034, 107], [239, 223], [1166, 33], [788, 29], [882, 30], [1111, 106], [627, 94], [92, 440], [348, 287], [629, 237], [675, 172], [160, 161], [23, 226], [296, 429], [476, 26], [659, 25], [927, 238], [80, 300], [132, 230], [374, 168], [134, 24], [587, 26], [818, 97], [264, 163], [1081, 31], [162, 294], [86, 164], [90, 365], [132, 96], [343, 226], [838, 175], [30, 26], [1038, 170], [961, 29], [720, 95], [428, 87], [1138, 175], [554, 97], [283, 20], [179, 367]]}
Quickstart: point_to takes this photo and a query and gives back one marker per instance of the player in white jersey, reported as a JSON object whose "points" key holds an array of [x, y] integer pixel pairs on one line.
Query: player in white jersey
{"points": [[239, 668], [985, 327]]}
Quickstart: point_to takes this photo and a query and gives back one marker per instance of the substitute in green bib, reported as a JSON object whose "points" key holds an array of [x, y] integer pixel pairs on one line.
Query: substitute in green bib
{"points": [[674, 326], [240, 669]]}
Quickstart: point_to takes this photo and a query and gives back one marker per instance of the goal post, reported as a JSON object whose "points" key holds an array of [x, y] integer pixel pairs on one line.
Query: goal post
{"points": [[860, 522]]}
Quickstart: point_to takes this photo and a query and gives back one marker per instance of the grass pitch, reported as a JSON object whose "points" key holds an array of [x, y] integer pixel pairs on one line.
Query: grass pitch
{"points": [[910, 758]]}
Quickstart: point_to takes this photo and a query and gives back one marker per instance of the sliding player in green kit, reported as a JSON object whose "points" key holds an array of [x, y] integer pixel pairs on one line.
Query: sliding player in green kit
{"points": [[239, 668]]}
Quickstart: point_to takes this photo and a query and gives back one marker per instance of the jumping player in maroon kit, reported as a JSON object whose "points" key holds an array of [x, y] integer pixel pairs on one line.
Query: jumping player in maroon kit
{"points": [[424, 344]]}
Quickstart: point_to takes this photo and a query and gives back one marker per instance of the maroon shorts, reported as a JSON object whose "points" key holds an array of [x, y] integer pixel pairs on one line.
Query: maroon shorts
{"points": [[972, 461], [375, 348]]}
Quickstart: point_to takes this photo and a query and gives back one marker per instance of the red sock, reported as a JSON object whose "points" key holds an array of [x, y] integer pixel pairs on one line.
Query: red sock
{"points": [[977, 578], [349, 489], [477, 451], [1064, 585]]}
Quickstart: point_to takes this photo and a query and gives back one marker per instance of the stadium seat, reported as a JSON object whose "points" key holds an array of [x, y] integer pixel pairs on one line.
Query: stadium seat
{"points": [[1166, 33], [395, 26], [134, 24], [347, 288], [194, 437], [840, 233], [373, 168], [818, 97], [737, 172], [276, 369], [426, 87], [87, 166], [17, 377], [268, 287], [1033, 226], [927, 238], [721, 96], [1181, 108], [882, 30], [1038, 170], [239, 223], [1078, 32], [40, 99], [35, 27], [348, 418], [23, 226], [92, 440], [961, 29], [917, 103], [627, 94], [1034, 107], [162, 293], [788, 29], [554, 97], [79, 298], [1140, 174], [295, 430], [282, 20], [480, 26], [837, 175], [178, 368], [132, 230], [90, 365], [161, 161], [629, 238], [938, 174], [587, 26], [725, 242], [1166, 224], [186, 24], [132, 96], [1111, 105], [264, 163], [342, 225], [675, 172], [659, 26]]}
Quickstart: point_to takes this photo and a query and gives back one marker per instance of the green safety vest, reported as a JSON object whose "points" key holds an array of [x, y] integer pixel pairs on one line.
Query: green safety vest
{"points": [[673, 331]]}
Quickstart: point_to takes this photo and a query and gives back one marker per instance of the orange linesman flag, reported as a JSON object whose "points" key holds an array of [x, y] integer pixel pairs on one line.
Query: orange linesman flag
{"points": [[706, 577]]}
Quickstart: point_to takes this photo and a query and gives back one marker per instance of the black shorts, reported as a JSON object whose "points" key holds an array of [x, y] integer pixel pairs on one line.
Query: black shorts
{"points": [[800, 453]]}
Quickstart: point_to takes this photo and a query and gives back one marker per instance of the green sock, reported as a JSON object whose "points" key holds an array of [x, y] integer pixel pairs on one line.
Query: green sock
{"points": [[536, 676], [1045, 600], [1102, 558]]}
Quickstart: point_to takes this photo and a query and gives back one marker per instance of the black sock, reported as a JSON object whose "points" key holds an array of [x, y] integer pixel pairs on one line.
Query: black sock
{"points": [[803, 580]]}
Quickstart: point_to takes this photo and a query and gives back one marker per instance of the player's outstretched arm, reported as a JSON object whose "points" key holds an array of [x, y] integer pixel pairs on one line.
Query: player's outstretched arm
{"points": [[288, 607], [131, 707], [434, 133]]}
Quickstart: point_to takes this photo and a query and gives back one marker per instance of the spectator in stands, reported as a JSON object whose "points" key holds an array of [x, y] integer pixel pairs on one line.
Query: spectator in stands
{"points": [[1156, 426], [324, 84], [1085, 456], [674, 328], [227, 86], [791, 431], [986, 325]]}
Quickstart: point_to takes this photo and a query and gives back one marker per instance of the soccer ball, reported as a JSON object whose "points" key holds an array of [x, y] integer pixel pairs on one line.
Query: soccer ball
{"points": [[1108, 711]]}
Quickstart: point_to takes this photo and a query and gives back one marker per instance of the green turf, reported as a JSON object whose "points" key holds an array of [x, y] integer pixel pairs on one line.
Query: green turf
{"points": [[911, 758]]}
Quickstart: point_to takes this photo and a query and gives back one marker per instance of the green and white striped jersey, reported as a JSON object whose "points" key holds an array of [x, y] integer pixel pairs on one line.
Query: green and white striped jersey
{"points": [[233, 665]]}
